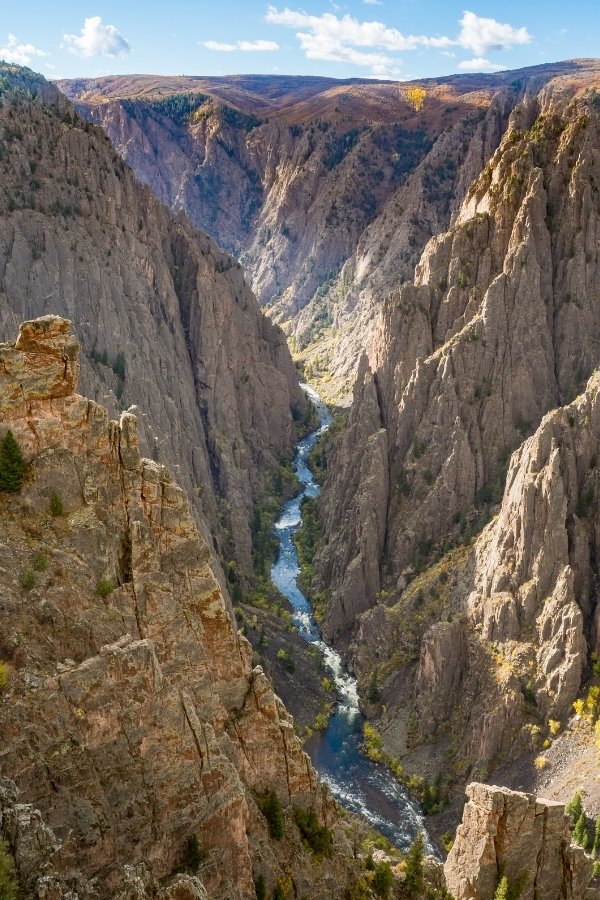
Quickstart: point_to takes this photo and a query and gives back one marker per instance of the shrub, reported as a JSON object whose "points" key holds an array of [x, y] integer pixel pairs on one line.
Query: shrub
{"points": [[3, 679], [540, 762], [273, 813], [39, 562], [318, 837], [414, 882], [12, 464], [56, 504], [195, 854], [8, 883], [554, 726], [28, 580], [105, 587]]}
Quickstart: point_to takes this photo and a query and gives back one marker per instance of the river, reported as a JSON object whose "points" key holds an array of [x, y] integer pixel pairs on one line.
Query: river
{"points": [[355, 781]]}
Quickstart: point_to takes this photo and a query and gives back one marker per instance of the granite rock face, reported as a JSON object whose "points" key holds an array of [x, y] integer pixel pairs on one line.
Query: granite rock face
{"points": [[499, 327], [510, 833], [165, 319], [132, 718]]}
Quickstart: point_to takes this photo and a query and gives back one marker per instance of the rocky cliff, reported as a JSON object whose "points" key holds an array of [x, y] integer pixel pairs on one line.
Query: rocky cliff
{"points": [[131, 717], [165, 319], [500, 325], [522, 838], [328, 191]]}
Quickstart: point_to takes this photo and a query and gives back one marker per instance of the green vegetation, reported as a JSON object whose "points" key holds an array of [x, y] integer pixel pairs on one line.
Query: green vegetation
{"points": [[28, 580], [9, 889], [105, 587], [414, 882], [3, 680], [318, 837], [12, 464], [281, 483], [580, 832], [270, 807], [260, 888], [56, 504], [596, 841], [432, 797], [339, 146], [195, 854], [40, 562], [383, 879], [307, 540], [373, 692], [510, 891], [574, 808]]}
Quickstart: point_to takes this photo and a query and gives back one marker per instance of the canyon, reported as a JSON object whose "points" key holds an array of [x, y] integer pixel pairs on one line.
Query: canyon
{"points": [[269, 167], [450, 307]]}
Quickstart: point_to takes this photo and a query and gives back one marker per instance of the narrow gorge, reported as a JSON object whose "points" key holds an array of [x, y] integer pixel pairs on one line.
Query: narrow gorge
{"points": [[299, 470]]}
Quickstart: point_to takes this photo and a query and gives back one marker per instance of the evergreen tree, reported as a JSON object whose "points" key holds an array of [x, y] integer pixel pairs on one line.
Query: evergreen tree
{"points": [[574, 808], [596, 845], [580, 832], [273, 813], [12, 464], [414, 882], [373, 694], [260, 886], [502, 891], [383, 879]]}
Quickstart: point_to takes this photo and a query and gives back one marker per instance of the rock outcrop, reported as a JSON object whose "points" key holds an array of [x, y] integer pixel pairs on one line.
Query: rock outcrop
{"points": [[526, 839], [339, 184], [131, 717], [165, 320]]}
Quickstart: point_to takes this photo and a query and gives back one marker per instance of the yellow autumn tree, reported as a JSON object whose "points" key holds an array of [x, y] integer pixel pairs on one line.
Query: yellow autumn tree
{"points": [[415, 97]]}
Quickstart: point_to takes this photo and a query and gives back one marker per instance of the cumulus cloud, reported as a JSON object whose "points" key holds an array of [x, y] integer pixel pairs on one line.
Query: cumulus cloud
{"points": [[482, 35], [346, 39], [18, 53], [478, 64], [96, 39], [244, 46]]}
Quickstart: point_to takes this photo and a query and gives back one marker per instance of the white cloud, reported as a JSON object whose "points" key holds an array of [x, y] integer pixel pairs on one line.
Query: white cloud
{"points": [[480, 65], [244, 46], [482, 35], [344, 38], [96, 39], [373, 2], [22, 54]]}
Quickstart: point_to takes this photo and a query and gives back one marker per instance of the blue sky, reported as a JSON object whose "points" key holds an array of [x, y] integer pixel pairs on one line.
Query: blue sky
{"points": [[401, 39]]}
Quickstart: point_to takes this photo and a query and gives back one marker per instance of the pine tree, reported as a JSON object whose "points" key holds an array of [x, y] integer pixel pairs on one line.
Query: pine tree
{"points": [[580, 832], [502, 891], [12, 464], [414, 882], [596, 845], [574, 808], [273, 813]]}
